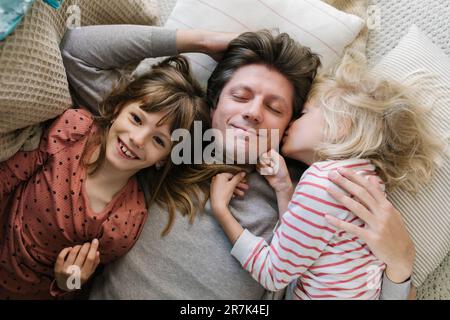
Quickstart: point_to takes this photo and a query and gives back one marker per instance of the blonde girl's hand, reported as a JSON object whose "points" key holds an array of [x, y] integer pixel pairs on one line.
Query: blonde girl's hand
{"points": [[77, 263], [273, 167], [223, 187]]}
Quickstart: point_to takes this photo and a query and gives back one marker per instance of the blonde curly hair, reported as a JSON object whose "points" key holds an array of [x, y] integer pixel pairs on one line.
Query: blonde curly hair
{"points": [[378, 119]]}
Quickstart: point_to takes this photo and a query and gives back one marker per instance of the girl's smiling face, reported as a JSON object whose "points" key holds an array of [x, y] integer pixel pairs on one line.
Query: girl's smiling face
{"points": [[304, 134], [136, 140]]}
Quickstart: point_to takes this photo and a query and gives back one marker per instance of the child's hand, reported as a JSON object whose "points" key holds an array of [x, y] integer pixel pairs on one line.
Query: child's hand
{"points": [[86, 258], [273, 167], [223, 187]]}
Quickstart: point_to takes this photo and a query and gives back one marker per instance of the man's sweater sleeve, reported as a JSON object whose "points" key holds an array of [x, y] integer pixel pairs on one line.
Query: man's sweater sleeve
{"points": [[394, 291], [93, 54]]}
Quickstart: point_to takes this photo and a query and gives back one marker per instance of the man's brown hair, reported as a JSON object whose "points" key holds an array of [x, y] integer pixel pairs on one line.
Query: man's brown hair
{"points": [[279, 52]]}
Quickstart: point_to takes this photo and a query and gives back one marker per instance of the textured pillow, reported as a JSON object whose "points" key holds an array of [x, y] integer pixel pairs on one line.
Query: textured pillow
{"points": [[33, 83], [396, 17], [315, 24], [427, 213]]}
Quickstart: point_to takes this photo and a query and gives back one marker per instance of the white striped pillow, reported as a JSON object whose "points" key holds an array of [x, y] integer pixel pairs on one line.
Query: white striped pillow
{"points": [[313, 23], [426, 214]]}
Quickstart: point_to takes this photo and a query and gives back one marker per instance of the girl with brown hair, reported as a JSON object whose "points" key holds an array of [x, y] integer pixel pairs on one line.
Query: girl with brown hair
{"points": [[76, 200]]}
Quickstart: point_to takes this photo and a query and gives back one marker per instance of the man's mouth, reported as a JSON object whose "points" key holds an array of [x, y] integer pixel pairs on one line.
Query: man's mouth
{"points": [[244, 130], [125, 151]]}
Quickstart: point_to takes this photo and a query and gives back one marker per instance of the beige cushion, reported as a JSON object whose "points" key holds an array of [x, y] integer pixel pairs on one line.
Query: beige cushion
{"points": [[33, 83], [323, 28], [427, 213]]}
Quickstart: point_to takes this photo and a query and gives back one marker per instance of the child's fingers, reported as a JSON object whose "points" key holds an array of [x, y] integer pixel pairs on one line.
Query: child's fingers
{"points": [[72, 256], [273, 154], [89, 263], [265, 161], [237, 178], [81, 257], [275, 159], [270, 160], [266, 170], [243, 186], [269, 157], [97, 259], [238, 193], [225, 176], [61, 258], [222, 179], [263, 168], [95, 263]]}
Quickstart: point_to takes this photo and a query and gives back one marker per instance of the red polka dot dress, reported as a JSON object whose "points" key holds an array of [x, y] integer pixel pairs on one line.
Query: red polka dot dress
{"points": [[44, 209]]}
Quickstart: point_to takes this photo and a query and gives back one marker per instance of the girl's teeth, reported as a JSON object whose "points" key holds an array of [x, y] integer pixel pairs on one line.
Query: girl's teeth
{"points": [[126, 151]]}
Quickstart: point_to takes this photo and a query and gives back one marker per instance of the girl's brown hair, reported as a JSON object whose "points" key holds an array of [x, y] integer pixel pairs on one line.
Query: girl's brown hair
{"points": [[168, 87]]}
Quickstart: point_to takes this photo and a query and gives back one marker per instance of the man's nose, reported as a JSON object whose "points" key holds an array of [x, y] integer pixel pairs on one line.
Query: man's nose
{"points": [[254, 112]]}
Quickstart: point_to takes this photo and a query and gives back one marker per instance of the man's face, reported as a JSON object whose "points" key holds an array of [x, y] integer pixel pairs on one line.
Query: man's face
{"points": [[255, 98]]}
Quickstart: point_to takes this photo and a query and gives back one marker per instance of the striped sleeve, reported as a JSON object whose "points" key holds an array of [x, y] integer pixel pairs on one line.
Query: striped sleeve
{"points": [[299, 241]]}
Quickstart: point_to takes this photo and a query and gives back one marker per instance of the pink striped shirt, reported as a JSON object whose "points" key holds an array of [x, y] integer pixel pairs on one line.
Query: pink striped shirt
{"points": [[325, 263]]}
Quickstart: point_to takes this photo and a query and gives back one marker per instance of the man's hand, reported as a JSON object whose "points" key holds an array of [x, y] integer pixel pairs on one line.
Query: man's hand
{"points": [[208, 42], [216, 43], [86, 258], [385, 232]]}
